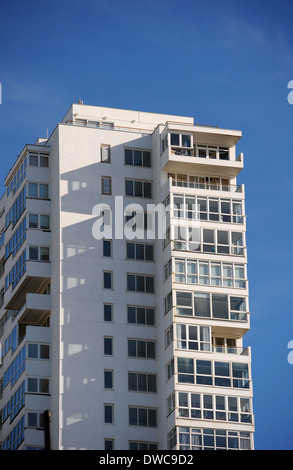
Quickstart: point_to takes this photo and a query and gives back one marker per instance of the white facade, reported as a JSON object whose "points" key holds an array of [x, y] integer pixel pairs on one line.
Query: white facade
{"points": [[140, 347]]}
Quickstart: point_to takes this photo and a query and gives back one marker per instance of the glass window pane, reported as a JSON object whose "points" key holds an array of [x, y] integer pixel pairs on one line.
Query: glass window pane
{"points": [[44, 253], [140, 318], [174, 139], [32, 420], [186, 140], [183, 298], [33, 190], [107, 280], [108, 413], [147, 187], [201, 304], [131, 282], [33, 253], [33, 221], [44, 222], [137, 157], [131, 348], [147, 159], [142, 417], [141, 382], [108, 379], [32, 385], [220, 306], [44, 191], [32, 351], [138, 188], [44, 386], [108, 346], [44, 351], [108, 313], [150, 316], [222, 237], [132, 416], [129, 188], [128, 157], [33, 159], [44, 161], [107, 248]]}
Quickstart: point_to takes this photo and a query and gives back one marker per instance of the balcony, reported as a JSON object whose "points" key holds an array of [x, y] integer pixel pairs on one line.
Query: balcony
{"points": [[36, 274], [35, 309], [240, 351], [190, 160]]}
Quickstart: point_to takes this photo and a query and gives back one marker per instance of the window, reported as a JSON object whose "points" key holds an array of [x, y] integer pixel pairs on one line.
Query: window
{"points": [[38, 159], [39, 221], [141, 315], [16, 368], [212, 152], [136, 445], [141, 348], [193, 337], [16, 241], [38, 190], [16, 272], [219, 306], [207, 208], [168, 269], [16, 436], [108, 281], [140, 283], [185, 370], [168, 302], [16, 210], [145, 417], [38, 253], [105, 153], [35, 420], [184, 303], [106, 185], [180, 140], [138, 188], [108, 346], [17, 177], [137, 157], [170, 369], [37, 385], [204, 439], [209, 273], [15, 404], [109, 444], [33, 221], [38, 351], [33, 160], [142, 382], [108, 413], [107, 248], [108, 312], [108, 379], [208, 240], [140, 251]]}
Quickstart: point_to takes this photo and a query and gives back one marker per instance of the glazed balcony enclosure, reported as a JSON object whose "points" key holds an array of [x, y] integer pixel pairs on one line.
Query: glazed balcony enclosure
{"points": [[200, 150]]}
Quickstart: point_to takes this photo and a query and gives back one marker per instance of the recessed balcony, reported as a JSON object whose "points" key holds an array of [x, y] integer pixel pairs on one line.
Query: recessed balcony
{"points": [[35, 309]]}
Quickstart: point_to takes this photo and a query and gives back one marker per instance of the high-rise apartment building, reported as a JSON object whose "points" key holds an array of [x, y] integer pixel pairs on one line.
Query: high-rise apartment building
{"points": [[123, 288]]}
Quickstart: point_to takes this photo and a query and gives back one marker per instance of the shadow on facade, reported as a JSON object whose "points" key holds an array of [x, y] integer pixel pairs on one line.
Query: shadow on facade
{"points": [[81, 336]]}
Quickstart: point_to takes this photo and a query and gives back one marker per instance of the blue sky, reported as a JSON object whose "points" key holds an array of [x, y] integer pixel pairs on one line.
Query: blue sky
{"points": [[226, 63]]}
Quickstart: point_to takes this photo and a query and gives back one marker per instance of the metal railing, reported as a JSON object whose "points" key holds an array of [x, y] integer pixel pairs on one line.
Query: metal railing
{"points": [[236, 188]]}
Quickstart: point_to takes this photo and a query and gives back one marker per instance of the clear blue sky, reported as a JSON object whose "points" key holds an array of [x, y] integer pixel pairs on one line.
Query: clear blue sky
{"points": [[226, 63]]}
